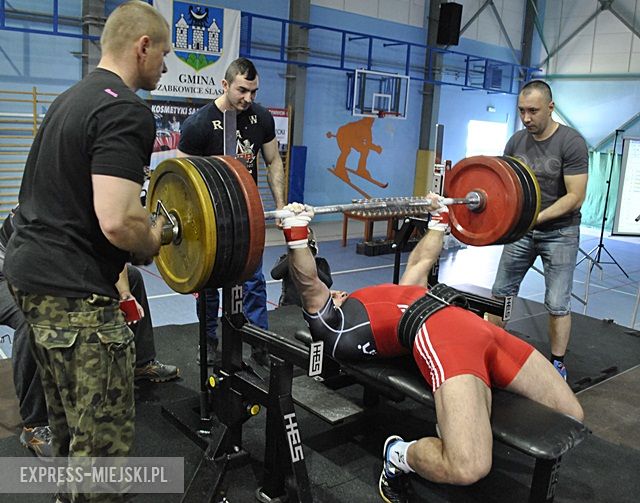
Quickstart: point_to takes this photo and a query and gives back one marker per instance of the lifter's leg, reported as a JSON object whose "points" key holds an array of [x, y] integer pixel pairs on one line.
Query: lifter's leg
{"points": [[463, 456], [539, 381]]}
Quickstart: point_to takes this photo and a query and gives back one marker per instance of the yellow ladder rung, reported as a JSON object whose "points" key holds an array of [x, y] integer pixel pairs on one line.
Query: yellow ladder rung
{"points": [[4, 91], [16, 100], [16, 121]]}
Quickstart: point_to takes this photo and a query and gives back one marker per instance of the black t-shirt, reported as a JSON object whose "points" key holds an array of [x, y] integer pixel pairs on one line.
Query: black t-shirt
{"points": [[202, 133], [97, 127]]}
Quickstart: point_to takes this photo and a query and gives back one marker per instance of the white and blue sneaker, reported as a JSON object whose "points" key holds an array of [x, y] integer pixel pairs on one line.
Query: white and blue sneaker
{"points": [[391, 483], [562, 370]]}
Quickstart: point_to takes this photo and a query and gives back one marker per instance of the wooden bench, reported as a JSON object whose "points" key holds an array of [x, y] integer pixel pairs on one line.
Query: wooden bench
{"points": [[368, 219]]}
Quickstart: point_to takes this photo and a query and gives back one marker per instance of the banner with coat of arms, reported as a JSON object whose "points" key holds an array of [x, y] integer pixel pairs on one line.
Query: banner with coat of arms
{"points": [[205, 41]]}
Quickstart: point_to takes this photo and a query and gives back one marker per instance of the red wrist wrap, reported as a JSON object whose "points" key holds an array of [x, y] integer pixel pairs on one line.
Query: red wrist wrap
{"points": [[296, 233]]}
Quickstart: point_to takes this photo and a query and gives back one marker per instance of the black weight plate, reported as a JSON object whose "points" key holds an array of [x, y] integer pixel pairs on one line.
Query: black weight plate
{"points": [[224, 223], [240, 219]]}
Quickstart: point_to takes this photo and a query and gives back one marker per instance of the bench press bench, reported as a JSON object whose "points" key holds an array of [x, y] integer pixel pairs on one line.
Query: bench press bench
{"points": [[529, 427]]}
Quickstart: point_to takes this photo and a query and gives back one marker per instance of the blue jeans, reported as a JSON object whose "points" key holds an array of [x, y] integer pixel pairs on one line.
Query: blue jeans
{"points": [[558, 250], [254, 300]]}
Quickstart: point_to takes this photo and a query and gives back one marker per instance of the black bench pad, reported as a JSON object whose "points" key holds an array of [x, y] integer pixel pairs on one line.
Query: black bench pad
{"points": [[526, 425]]}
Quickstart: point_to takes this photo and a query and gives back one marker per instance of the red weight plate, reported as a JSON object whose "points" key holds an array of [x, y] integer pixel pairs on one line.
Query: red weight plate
{"points": [[504, 199], [255, 212]]}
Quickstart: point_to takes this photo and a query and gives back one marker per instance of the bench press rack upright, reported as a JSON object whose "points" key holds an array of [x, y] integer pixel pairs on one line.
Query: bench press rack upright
{"points": [[235, 393]]}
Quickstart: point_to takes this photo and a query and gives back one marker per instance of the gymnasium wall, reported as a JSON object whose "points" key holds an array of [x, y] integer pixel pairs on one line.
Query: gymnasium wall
{"points": [[52, 63]]}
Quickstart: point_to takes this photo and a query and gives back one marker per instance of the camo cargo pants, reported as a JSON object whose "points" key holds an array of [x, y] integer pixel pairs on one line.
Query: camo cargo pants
{"points": [[86, 357]]}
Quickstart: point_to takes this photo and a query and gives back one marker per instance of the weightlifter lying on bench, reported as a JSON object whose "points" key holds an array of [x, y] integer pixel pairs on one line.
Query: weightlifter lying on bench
{"points": [[459, 354]]}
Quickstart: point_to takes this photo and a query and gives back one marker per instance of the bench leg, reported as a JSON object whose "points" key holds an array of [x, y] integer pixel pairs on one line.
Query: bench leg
{"points": [[391, 228], [345, 224], [368, 231], [545, 478]]}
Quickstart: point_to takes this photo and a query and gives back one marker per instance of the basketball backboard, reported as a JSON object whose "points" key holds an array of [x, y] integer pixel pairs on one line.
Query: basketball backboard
{"points": [[378, 94]]}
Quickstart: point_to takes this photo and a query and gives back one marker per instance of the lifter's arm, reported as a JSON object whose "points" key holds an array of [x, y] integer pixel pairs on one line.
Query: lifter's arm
{"points": [[428, 249], [422, 258], [302, 270], [302, 264]]}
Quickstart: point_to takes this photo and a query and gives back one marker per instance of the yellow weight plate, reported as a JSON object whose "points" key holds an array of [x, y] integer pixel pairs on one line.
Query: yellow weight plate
{"points": [[186, 264]]}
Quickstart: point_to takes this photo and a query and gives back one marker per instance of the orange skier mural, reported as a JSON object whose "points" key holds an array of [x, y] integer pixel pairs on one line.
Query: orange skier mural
{"points": [[355, 136]]}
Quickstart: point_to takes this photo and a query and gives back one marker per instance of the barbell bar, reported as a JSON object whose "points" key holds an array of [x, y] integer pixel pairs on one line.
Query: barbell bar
{"points": [[216, 230], [474, 200]]}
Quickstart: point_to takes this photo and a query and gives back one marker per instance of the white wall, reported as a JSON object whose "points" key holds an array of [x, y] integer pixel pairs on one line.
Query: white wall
{"points": [[485, 28], [409, 12], [604, 45]]}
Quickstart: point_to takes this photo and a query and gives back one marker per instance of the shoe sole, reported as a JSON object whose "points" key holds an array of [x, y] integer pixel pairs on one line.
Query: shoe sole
{"points": [[157, 379], [34, 452], [387, 443], [384, 498]]}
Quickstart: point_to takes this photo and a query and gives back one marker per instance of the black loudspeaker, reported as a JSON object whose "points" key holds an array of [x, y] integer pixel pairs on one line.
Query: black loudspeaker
{"points": [[449, 24]]}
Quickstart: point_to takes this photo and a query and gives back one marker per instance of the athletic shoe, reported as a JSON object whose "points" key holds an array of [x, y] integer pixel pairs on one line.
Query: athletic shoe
{"points": [[391, 483], [212, 349], [562, 370], [156, 371], [38, 440]]}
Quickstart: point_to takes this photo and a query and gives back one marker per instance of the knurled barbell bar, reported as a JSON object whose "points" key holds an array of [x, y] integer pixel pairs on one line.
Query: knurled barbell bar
{"points": [[216, 228], [474, 200]]}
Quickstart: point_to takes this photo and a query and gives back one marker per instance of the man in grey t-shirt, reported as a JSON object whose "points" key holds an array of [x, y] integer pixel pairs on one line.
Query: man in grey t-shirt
{"points": [[559, 157]]}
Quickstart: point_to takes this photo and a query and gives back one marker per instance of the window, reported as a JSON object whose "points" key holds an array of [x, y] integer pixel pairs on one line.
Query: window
{"points": [[486, 138]]}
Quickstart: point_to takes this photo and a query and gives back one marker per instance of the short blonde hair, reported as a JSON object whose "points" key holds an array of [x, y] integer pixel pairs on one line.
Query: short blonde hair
{"points": [[130, 21]]}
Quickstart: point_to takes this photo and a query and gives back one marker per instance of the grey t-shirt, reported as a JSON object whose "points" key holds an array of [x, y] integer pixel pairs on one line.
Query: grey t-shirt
{"points": [[564, 153]]}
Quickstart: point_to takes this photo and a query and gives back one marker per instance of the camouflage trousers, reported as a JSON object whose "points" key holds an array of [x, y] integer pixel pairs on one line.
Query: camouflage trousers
{"points": [[86, 358]]}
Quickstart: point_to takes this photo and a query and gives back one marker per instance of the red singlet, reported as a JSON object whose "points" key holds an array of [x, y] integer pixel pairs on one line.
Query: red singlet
{"points": [[384, 305], [454, 341]]}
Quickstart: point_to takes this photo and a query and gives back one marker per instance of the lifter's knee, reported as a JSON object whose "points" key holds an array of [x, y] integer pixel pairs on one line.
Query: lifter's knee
{"points": [[573, 408], [495, 320], [468, 471], [450, 468]]}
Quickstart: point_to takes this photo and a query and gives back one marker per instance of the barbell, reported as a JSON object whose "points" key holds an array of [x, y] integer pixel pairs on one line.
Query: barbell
{"points": [[216, 222]]}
